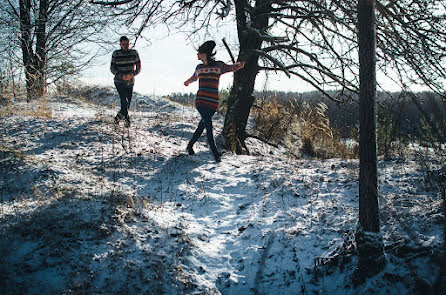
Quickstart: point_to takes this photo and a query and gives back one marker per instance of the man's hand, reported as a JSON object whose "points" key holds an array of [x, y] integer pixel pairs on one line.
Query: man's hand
{"points": [[127, 77]]}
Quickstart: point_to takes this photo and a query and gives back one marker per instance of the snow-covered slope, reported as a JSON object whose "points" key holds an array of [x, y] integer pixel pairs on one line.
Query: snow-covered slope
{"points": [[93, 209]]}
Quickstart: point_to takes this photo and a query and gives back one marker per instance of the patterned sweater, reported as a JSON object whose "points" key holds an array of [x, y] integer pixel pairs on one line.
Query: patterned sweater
{"points": [[209, 78], [125, 62]]}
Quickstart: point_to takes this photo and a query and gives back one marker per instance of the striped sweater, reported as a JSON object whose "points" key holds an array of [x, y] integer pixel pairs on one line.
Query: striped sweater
{"points": [[209, 78], [125, 62]]}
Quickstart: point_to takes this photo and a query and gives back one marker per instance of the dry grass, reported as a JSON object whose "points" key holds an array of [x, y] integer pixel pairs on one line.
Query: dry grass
{"points": [[302, 126], [273, 122], [13, 102], [10, 93], [319, 138], [39, 108], [14, 152]]}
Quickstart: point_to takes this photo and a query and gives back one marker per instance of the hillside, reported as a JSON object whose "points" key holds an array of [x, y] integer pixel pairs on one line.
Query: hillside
{"points": [[90, 208]]}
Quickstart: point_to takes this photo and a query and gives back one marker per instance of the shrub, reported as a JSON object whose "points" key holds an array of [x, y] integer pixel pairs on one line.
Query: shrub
{"points": [[318, 137], [303, 126], [274, 120]]}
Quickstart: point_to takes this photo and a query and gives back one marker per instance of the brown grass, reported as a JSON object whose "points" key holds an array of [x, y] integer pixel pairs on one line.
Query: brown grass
{"points": [[319, 138], [16, 153], [302, 126], [273, 122], [13, 102], [37, 108]]}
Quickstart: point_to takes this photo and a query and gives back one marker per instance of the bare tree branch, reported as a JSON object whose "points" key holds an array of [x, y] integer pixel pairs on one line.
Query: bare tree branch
{"points": [[273, 60], [111, 3]]}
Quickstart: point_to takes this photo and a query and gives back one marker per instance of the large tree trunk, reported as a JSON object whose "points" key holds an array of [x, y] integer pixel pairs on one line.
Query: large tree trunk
{"points": [[27, 50], [40, 59], [34, 63], [369, 241], [241, 99]]}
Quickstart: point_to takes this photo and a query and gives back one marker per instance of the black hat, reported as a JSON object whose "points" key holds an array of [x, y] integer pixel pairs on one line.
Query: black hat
{"points": [[207, 47]]}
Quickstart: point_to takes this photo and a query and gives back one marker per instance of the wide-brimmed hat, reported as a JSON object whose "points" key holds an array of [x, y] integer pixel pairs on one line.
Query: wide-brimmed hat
{"points": [[207, 47]]}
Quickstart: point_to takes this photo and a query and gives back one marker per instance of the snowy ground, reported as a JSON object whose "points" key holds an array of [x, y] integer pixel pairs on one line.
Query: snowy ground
{"points": [[89, 208]]}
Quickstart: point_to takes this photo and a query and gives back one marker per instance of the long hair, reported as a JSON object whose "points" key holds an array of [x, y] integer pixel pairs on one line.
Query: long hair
{"points": [[210, 57], [208, 49]]}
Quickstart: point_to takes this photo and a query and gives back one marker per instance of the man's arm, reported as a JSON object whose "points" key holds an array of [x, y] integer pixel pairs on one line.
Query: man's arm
{"points": [[113, 67], [137, 63]]}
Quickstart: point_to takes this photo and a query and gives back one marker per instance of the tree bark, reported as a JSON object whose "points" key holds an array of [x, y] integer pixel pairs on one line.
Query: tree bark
{"points": [[368, 187], [369, 241], [241, 99], [40, 58], [27, 50]]}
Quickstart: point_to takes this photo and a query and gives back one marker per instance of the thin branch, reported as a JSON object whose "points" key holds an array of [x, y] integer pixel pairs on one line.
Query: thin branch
{"points": [[111, 3], [272, 59]]}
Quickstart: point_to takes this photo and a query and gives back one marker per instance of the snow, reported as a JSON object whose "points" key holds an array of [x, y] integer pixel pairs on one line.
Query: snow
{"points": [[90, 208]]}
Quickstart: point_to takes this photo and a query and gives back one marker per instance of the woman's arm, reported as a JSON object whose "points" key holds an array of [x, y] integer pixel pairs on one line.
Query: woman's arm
{"points": [[191, 79], [232, 68]]}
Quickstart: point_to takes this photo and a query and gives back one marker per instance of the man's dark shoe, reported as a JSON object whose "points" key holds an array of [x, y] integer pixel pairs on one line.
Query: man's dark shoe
{"points": [[127, 122], [190, 150], [118, 117]]}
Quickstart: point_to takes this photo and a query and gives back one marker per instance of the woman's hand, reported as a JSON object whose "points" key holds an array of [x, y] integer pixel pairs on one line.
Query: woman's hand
{"points": [[239, 65], [186, 83]]}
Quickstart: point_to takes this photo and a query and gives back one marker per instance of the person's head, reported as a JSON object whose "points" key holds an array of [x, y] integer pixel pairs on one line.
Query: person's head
{"points": [[124, 42], [206, 52]]}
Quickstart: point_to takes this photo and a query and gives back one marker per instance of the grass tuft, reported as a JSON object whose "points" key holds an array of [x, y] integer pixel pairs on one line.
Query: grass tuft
{"points": [[302, 126]]}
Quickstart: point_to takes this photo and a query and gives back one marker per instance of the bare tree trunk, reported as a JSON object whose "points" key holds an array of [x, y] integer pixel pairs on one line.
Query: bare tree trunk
{"points": [[3, 82], [40, 59], [27, 50], [25, 28], [369, 241], [34, 63], [241, 99], [12, 79]]}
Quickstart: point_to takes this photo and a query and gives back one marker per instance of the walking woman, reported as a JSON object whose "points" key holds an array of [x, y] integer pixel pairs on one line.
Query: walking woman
{"points": [[207, 101]]}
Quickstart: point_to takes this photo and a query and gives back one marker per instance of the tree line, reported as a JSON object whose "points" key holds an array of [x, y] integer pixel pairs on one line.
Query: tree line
{"points": [[394, 109]]}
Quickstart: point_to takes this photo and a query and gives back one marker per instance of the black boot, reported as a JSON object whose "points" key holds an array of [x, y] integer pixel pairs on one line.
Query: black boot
{"points": [[190, 150], [217, 156]]}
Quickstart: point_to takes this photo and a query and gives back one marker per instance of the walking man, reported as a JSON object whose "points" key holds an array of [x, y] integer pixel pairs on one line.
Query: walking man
{"points": [[125, 65]]}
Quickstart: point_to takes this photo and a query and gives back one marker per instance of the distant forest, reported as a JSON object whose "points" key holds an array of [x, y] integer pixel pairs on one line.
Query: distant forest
{"points": [[396, 110]]}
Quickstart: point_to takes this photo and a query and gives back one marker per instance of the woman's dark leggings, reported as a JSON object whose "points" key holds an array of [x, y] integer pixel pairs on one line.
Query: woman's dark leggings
{"points": [[206, 122]]}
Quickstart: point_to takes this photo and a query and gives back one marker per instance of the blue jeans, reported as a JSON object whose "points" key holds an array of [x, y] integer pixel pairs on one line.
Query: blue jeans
{"points": [[125, 93], [206, 122]]}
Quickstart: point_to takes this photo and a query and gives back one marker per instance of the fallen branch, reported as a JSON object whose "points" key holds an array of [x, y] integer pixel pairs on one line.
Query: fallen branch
{"points": [[262, 140]]}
